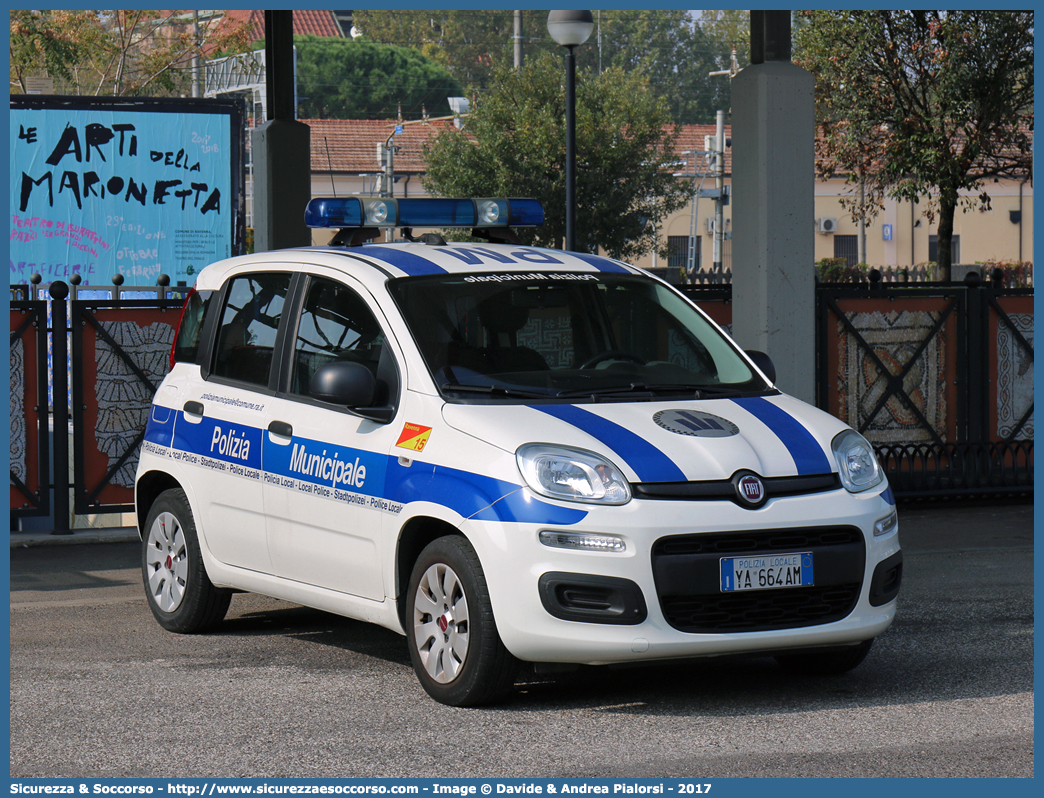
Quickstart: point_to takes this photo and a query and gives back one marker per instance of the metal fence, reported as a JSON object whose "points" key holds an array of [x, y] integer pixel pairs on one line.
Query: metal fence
{"points": [[114, 344], [938, 377], [30, 428]]}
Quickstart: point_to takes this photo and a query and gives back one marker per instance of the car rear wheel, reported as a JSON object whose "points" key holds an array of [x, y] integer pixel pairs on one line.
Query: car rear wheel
{"points": [[180, 593], [452, 635], [831, 662]]}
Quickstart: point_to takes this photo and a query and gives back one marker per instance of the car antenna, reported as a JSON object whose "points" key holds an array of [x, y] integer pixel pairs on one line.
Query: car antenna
{"points": [[329, 164]]}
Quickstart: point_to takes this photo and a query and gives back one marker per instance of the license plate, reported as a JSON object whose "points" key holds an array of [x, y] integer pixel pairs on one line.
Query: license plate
{"points": [[766, 571]]}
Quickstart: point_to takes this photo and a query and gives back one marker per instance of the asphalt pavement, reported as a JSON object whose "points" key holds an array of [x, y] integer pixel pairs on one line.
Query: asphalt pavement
{"points": [[116, 534], [99, 690]]}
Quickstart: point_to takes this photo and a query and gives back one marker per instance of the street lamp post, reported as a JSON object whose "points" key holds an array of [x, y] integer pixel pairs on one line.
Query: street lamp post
{"points": [[569, 29]]}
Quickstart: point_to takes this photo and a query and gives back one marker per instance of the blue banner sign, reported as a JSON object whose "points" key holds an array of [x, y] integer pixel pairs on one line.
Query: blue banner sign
{"points": [[103, 186]]}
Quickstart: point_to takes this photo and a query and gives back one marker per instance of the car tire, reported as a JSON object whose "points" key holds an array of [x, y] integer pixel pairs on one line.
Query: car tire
{"points": [[452, 635], [831, 662], [180, 593]]}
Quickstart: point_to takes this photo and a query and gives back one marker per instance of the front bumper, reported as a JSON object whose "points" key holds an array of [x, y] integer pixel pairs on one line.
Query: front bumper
{"points": [[652, 600]]}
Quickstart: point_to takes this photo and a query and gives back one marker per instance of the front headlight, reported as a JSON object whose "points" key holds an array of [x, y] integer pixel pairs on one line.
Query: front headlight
{"points": [[560, 472], [856, 462]]}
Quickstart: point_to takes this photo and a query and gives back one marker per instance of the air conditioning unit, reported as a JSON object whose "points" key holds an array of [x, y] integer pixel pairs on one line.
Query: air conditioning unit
{"points": [[826, 225], [709, 224]]}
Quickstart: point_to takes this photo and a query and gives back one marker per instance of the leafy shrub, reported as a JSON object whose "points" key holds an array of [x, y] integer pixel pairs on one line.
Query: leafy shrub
{"points": [[837, 270], [1016, 273]]}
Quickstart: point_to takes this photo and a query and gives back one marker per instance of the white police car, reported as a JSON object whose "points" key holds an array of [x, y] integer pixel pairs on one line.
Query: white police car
{"points": [[505, 453]]}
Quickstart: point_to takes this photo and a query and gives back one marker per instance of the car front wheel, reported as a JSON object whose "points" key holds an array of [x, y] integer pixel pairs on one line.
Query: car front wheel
{"points": [[452, 635], [180, 593]]}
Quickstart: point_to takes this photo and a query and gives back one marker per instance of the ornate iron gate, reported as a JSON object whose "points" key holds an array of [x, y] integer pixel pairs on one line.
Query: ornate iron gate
{"points": [[30, 433], [119, 354], [938, 378], [121, 351]]}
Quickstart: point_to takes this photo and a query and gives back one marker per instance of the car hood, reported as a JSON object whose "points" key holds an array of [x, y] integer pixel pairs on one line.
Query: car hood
{"points": [[669, 441]]}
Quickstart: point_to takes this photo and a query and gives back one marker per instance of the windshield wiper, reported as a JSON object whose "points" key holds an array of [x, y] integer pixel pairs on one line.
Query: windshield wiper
{"points": [[634, 387], [492, 390], [717, 391], [658, 389]]}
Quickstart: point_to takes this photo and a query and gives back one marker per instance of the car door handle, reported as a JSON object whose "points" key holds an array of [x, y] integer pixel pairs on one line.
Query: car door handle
{"points": [[194, 408], [281, 428]]}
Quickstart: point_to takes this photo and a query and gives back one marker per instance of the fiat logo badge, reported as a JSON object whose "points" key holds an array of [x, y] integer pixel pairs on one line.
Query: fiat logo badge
{"points": [[750, 490]]}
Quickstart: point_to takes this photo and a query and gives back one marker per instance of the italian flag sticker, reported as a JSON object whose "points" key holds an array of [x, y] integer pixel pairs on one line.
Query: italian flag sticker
{"points": [[413, 436]]}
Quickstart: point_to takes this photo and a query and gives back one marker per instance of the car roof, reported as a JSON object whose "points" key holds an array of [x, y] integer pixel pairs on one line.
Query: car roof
{"points": [[377, 263]]}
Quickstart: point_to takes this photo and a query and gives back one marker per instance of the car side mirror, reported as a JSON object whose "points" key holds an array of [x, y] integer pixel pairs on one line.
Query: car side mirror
{"points": [[351, 385], [343, 382], [763, 362]]}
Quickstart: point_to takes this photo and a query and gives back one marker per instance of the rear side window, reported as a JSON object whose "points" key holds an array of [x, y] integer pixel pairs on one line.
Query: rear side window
{"points": [[249, 322], [186, 345]]}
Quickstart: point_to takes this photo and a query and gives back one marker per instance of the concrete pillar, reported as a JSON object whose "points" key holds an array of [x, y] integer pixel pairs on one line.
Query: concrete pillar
{"points": [[773, 216], [281, 148], [282, 184]]}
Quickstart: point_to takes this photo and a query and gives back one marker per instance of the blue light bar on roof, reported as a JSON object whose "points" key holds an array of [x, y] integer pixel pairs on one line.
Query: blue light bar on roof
{"points": [[334, 212], [339, 212], [437, 212]]}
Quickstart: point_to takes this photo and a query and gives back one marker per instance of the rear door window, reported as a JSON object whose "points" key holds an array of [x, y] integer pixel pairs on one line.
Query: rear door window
{"points": [[190, 330], [249, 323]]}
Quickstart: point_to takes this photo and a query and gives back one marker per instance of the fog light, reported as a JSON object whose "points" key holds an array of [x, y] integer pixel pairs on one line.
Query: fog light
{"points": [[884, 526], [581, 541]]}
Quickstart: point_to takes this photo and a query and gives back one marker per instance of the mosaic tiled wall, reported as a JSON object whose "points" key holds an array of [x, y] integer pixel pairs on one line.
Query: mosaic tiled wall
{"points": [[18, 428], [894, 338], [123, 401], [1014, 377]]}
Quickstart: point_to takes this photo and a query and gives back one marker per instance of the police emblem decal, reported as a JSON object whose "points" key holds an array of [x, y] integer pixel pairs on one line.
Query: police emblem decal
{"points": [[695, 423]]}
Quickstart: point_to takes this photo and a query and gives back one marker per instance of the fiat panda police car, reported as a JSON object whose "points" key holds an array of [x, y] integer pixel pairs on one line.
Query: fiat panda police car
{"points": [[505, 453]]}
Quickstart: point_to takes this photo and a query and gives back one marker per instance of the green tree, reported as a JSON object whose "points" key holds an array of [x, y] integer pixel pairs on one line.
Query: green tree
{"points": [[672, 51], [922, 104], [346, 79], [514, 145], [117, 52], [470, 44], [47, 43]]}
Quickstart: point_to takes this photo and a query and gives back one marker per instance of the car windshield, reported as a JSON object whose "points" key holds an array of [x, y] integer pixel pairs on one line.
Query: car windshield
{"points": [[498, 337]]}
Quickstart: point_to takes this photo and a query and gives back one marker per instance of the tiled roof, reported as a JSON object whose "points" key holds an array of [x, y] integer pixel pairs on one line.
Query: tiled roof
{"points": [[317, 23], [350, 145], [691, 138], [353, 144]]}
